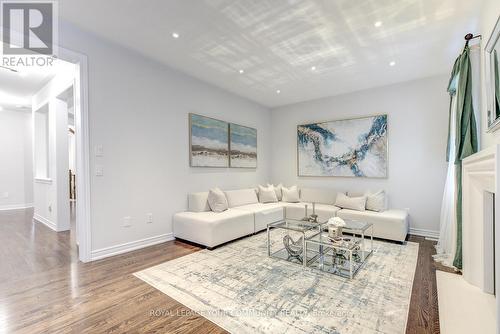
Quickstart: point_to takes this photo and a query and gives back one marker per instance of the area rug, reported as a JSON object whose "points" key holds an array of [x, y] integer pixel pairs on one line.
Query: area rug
{"points": [[241, 289]]}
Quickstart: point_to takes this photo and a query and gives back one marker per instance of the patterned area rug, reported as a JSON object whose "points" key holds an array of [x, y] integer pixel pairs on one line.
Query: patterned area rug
{"points": [[242, 290]]}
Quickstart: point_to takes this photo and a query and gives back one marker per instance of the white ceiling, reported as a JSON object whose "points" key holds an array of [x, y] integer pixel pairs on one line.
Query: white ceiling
{"points": [[277, 42], [18, 84]]}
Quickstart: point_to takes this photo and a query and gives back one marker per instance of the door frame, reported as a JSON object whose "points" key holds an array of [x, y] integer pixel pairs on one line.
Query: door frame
{"points": [[82, 140]]}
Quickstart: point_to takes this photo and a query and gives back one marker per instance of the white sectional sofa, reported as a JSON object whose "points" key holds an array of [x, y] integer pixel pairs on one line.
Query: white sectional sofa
{"points": [[246, 216]]}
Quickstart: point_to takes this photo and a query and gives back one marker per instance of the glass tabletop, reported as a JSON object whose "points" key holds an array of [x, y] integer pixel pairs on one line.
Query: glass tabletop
{"points": [[347, 242], [296, 225], [356, 225]]}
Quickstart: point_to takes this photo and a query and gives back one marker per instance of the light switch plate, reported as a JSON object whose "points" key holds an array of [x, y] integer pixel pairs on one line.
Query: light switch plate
{"points": [[99, 171], [99, 151], [149, 218], [127, 221]]}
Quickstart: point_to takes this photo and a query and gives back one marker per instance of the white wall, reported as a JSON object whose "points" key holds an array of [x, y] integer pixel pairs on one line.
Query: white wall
{"points": [[138, 112], [51, 191], [489, 16], [16, 172], [417, 131]]}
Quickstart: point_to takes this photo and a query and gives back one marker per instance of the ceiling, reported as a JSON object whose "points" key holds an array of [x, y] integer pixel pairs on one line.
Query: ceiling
{"points": [[278, 42], [18, 84]]}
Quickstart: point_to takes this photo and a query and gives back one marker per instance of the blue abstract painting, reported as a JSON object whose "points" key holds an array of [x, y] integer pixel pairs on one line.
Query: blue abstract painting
{"points": [[243, 144], [209, 142], [352, 147]]}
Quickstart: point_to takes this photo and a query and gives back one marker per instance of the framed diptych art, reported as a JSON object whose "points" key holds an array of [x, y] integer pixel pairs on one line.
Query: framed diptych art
{"points": [[209, 142], [216, 143], [242, 146]]}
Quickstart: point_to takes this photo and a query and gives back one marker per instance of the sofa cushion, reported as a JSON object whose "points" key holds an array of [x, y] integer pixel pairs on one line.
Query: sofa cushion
{"points": [[290, 195], [198, 202], [267, 194], [241, 197], [375, 201], [213, 228], [278, 190], [314, 195], [264, 213], [390, 224], [296, 210], [217, 200], [353, 203]]}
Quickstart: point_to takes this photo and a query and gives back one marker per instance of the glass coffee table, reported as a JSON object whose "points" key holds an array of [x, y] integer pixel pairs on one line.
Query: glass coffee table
{"points": [[291, 243], [342, 256]]}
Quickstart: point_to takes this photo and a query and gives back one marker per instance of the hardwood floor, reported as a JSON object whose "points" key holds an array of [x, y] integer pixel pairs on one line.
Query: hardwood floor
{"points": [[44, 289]]}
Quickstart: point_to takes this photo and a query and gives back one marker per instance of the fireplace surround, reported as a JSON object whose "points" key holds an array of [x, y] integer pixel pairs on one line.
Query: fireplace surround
{"points": [[480, 211]]}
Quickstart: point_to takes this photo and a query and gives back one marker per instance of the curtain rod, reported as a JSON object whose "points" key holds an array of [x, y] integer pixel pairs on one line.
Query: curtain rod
{"points": [[469, 37]]}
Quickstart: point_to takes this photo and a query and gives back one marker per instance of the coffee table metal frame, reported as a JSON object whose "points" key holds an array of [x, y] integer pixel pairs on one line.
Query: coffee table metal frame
{"points": [[357, 231], [299, 226]]}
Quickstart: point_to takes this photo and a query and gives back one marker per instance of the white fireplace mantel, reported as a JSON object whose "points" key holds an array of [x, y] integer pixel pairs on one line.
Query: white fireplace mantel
{"points": [[479, 181], [480, 223]]}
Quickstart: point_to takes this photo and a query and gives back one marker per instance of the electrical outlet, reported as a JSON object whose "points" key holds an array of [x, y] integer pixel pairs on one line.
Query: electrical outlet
{"points": [[127, 221], [149, 218], [50, 207]]}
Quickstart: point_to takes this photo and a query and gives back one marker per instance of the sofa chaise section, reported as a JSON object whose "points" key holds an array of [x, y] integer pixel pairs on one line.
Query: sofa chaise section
{"points": [[213, 228], [390, 224]]}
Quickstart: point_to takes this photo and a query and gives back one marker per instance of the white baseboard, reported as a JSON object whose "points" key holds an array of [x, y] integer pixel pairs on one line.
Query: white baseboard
{"points": [[16, 206], [130, 246], [425, 233], [50, 224]]}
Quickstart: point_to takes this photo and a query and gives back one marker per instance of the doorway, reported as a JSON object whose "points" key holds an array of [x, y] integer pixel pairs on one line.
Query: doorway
{"points": [[46, 185]]}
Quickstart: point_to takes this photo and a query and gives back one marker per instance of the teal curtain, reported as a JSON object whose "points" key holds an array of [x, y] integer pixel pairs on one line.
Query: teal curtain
{"points": [[497, 83], [466, 132]]}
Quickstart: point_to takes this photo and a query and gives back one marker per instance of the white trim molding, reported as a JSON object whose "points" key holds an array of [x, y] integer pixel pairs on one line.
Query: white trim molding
{"points": [[16, 206], [425, 233], [43, 180], [130, 246], [50, 224]]}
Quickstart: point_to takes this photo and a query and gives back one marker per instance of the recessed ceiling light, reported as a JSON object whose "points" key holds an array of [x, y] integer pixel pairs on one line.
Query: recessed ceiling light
{"points": [[378, 24], [1, 108], [175, 35], [242, 71], [313, 68], [392, 63], [278, 91]]}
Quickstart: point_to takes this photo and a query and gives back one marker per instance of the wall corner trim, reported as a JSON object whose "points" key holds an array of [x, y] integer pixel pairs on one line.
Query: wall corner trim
{"points": [[425, 233], [16, 206], [50, 224], [102, 253]]}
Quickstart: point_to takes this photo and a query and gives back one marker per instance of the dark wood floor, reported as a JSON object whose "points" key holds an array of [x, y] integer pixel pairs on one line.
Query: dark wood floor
{"points": [[44, 289]]}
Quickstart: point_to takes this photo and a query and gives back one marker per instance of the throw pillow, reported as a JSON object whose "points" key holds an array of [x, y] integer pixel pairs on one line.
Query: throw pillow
{"points": [[290, 195], [217, 200], [376, 201], [267, 194], [278, 190], [354, 203]]}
